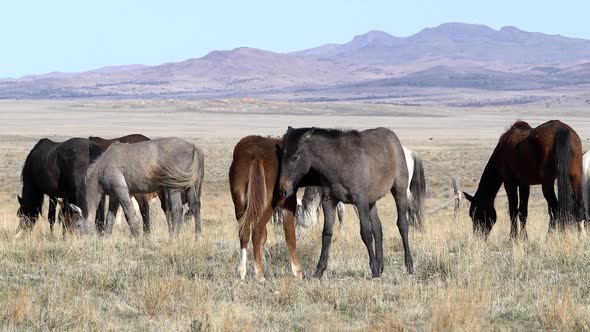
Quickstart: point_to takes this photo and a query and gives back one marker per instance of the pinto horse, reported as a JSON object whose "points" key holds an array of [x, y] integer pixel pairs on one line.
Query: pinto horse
{"points": [[253, 180], [56, 170], [526, 156], [141, 199]]}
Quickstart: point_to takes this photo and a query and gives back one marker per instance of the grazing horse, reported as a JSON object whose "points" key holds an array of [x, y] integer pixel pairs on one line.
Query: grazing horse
{"points": [[355, 168], [526, 156], [56, 170], [142, 200], [308, 208], [169, 164]]}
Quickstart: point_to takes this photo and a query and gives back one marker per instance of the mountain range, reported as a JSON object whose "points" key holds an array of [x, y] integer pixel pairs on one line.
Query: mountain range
{"points": [[452, 55]]}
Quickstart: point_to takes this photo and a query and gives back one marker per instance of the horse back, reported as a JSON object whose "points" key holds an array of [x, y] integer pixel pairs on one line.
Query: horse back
{"points": [[252, 151]]}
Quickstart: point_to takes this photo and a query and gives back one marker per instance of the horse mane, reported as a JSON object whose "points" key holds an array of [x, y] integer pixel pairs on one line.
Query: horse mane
{"points": [[322, 132]]}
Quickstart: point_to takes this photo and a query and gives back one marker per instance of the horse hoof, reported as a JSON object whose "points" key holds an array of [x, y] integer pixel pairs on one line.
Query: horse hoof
{"points": [[318, 274]]}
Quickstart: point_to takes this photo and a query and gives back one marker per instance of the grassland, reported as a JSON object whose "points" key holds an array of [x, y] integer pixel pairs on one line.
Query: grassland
{"points": [[461, 283]]}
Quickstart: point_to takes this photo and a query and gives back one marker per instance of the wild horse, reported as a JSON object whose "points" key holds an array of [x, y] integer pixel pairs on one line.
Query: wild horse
{"points": [[526, 156], [308, 208], [142, 200], [56, 170], [169, 164], [355, 168], [253, 182]]}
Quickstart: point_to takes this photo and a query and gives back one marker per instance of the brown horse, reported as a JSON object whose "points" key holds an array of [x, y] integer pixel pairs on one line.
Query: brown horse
{"points": [[253, 179], [526, 156], [143, 200]]}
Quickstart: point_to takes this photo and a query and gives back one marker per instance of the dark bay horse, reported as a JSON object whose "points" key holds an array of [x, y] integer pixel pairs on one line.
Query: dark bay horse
{"points": [[142, 200], [526, 156], [355, 168], [56, 170]]}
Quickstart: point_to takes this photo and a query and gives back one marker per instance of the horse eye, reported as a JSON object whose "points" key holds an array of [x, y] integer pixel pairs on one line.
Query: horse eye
{"points": [[294, 157]]}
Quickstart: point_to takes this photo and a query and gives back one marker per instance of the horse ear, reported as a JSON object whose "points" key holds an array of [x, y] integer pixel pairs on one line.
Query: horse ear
{"points": [[20, 199], [468, 197], [308, 134], [289, 129]]}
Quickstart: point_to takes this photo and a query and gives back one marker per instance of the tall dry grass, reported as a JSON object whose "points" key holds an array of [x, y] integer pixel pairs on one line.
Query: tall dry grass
{"points": [[461, 283]]}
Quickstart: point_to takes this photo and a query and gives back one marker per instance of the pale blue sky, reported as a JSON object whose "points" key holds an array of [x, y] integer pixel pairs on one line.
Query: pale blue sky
{"points": [[75, 35]]}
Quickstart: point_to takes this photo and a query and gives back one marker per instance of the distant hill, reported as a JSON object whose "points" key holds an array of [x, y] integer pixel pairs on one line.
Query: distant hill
{"points": [[452, 55]]}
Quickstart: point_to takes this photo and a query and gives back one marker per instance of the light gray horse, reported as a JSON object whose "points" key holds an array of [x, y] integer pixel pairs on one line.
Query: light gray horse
{"points": [[171, 164]]}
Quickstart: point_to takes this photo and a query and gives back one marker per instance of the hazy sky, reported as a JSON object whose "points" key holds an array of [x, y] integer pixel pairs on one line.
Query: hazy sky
{"points": [[75, 35]]}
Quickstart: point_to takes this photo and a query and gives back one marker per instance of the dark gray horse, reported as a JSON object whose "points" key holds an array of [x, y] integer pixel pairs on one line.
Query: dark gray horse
{"points": [[356, 168], [169, 164]]}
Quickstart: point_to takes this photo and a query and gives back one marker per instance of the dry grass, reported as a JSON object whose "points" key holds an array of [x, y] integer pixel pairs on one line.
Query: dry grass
{"points": [[461, 283]]}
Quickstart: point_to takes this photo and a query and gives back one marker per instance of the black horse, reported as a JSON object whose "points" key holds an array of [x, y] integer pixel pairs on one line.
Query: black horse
{"points": [[356, 168], [57, 170]]}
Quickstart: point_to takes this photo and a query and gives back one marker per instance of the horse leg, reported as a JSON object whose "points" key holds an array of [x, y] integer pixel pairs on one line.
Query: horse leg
{"points": [[51, 213], [111, 215], [523, 209], [549, 194], [144, 209], [174, 214], [193, 196], [367, 236], [340, 211], [259, 239], [378, 236], [579, 212], [401, 204], [290, 237], [122, 194], [100, 217], [244, 239], [328, 207], [512, 193]]}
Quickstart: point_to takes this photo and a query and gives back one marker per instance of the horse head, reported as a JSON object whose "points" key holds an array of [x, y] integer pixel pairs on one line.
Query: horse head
{"points": [[483, 215], [296, 159]]}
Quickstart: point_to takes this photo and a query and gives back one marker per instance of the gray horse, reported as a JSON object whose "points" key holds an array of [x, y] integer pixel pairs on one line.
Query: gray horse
{"points": [[171, 164], [308, 208], [356, 168]]}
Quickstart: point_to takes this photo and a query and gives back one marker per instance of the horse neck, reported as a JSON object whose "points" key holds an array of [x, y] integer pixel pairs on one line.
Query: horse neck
{"points": [[490, 181], [319, 160], [92, 193], [32, 197]]}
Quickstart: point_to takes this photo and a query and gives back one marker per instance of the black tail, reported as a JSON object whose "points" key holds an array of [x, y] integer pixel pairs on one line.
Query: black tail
{"points": [[565, 195], [418, 190]]}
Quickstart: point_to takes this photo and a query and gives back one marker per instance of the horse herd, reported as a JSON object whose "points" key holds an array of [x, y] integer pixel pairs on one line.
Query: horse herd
{"points": [[335, 167]]}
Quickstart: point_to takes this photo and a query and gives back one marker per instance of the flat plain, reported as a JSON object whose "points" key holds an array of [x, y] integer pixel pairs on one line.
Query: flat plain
{"points": [[153, 283]]}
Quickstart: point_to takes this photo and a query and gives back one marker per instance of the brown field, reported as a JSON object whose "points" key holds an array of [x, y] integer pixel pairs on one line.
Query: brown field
{"points": [[461, 283]]}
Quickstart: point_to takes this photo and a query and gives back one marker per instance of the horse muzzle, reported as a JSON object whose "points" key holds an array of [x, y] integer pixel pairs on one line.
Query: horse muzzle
{"points": [[286, 189]]}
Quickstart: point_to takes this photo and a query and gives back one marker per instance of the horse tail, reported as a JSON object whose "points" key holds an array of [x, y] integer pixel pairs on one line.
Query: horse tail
{"points": [[565, 196], [174, 178], [417, 188], [255, 200]]}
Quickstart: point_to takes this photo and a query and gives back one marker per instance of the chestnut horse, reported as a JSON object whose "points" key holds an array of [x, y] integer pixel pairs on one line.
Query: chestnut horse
{"points": [[253, 180], [525, 156], [142, 199]]}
